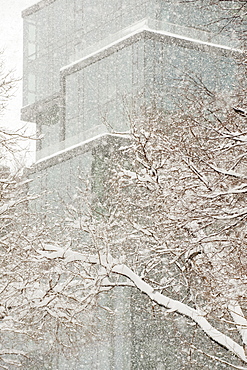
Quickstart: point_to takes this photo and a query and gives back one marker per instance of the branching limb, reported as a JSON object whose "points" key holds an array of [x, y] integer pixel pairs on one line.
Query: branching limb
{"points": [[160, 299]]}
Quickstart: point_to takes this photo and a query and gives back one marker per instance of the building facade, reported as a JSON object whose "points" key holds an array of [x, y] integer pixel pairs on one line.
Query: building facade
{"points": [[89, 69]]}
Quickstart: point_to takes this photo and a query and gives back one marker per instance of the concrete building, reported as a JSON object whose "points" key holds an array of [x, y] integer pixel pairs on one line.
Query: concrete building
{"points": [[86, 66], [89, 68]]}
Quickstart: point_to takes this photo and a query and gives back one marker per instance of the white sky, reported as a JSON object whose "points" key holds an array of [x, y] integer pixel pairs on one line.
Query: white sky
{"points": [[11, 43]]}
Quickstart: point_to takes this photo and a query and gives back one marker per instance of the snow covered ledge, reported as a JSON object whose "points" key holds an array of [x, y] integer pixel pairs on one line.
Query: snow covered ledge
{"points": [[111, 265]]}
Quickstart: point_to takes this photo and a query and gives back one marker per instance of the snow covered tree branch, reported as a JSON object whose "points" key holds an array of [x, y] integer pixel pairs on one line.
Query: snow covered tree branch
{"points": [[111, 265]]}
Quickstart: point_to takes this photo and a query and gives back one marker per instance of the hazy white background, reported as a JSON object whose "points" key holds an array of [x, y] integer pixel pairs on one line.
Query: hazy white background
{"points": [[12, 44]]}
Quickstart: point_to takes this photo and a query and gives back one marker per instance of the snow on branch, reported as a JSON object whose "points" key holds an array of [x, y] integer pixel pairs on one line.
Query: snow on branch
{"points": [[183, 309], [197, 172], [235, 190], [239, 319], [240, 213], [112, 265], [227, 172]]}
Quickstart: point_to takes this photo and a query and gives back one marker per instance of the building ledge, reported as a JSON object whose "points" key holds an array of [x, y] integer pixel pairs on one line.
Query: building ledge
{"points": [[74, 150], [186, 34], [36, 7]]}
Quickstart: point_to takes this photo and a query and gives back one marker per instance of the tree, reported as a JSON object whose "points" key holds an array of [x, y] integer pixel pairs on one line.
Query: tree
{"points": [[18, 236], [173, 219], [174, 223]]}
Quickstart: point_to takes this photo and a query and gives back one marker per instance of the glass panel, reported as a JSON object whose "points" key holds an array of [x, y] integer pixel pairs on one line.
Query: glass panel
{"points": [[31, 51], [32, 83], [78, 18], [42, 29], [31, 98], [31, 32], [72, 90], [103, 77], [111, 66], [71, 127], [91, 86], [49, 122], [125, 74]]}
